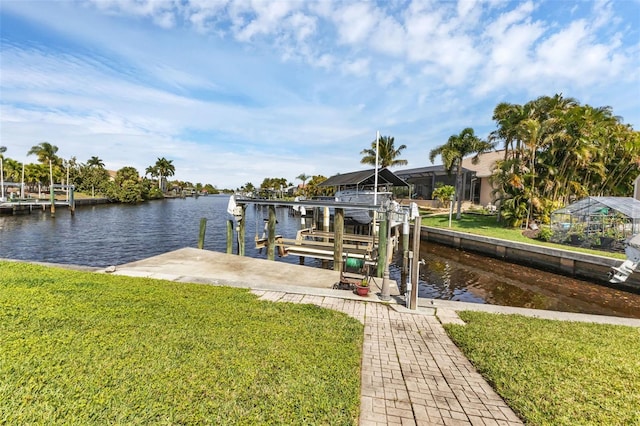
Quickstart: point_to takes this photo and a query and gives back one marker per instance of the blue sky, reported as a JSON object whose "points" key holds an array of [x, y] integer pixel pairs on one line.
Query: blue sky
{"points": [[236, 91]]}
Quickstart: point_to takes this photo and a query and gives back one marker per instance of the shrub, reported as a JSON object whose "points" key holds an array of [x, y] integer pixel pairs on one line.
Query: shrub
{"points": [[545, 234]]}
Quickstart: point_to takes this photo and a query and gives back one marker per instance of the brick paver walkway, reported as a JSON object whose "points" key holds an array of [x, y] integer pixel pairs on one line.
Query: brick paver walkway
{"points": [[412, 373]]}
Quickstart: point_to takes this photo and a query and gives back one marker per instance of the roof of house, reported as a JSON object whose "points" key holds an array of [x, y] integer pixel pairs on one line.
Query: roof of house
{"points": [[365, 177], [424, 172]]}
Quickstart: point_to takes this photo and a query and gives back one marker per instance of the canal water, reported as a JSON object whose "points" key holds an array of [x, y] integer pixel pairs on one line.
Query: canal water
{"points": [[106, 235]]}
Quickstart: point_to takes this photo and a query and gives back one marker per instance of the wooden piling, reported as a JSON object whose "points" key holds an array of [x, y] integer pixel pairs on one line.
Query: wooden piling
{"points": [[229, 236], [203, 229], [338, 229], [72, 201], [271, 233], [52, 197]]}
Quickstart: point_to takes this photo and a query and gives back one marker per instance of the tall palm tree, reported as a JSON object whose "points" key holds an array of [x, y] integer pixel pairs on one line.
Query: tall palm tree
{"points": [[387, 153], [151, 171], [95, 162], [457, 147], [304, 178], [165, 168], [45, 153]]}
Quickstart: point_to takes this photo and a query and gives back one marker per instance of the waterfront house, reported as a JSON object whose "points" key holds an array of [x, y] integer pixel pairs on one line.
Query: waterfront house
{"points": [[476, 185]]}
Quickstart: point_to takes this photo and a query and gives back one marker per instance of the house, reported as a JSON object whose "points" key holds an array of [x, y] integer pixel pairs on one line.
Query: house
{"points": [[481, 187], [476, 186]]}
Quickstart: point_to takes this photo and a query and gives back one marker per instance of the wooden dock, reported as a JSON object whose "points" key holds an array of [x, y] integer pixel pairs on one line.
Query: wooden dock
{"points": [[24, 205], [310, 242], [27, 206]]}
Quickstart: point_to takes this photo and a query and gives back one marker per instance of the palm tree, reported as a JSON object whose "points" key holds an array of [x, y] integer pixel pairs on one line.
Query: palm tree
{"points": [[45, 152], [387, 153], [95, 162], [164, 168], [151, 171], [457, 147], [35, 174], [303, 177], [3, 149], [12, 169]]}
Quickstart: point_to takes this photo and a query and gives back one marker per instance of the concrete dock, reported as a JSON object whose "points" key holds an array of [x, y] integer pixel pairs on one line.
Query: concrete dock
{"points": [[412, 373], [209, 267]]}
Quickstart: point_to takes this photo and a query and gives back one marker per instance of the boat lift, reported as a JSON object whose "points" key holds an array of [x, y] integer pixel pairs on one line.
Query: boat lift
{"points": [[622, 272]]}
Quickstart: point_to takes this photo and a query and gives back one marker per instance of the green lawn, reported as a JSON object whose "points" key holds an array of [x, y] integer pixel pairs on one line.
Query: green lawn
{"points": [[488, 226], [554, 372], [81, 348]]}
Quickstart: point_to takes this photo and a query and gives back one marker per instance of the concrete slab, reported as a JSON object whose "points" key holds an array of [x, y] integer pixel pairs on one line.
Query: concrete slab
{"points": [[449, 305], [448, 316], [209, 267]]}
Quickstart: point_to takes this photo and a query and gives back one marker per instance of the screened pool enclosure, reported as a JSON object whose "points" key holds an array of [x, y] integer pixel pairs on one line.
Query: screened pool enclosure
{"points": [[598, 222]]}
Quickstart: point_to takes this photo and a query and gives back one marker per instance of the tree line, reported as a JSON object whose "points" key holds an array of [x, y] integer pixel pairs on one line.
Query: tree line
{"points": [[93, 178], [556, 151]]}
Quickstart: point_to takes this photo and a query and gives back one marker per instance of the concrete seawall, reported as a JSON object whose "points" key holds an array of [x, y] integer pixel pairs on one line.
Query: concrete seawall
{"points": [[580, 265], [91, 201]]}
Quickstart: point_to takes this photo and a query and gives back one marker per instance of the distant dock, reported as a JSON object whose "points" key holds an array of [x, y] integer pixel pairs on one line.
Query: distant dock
{"points": [[27, 206]]}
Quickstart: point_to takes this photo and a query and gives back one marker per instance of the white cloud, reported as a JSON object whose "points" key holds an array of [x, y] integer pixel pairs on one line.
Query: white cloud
{"points": [[358, 67], [160, 11], [355, 23], [389, 37], [268, 16]]}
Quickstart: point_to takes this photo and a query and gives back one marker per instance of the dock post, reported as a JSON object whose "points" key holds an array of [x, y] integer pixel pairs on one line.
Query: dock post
{"points": [[271, 233], [241, 231], [382, 246], [229, 236], [72, 202], [404, 274], [338, 230], [413, 301], [52, 198], [203, 229]]}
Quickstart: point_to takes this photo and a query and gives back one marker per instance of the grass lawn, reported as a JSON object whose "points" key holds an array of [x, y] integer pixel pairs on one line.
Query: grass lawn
{"points": [[488, 226], [555, 372], [81, 348]]}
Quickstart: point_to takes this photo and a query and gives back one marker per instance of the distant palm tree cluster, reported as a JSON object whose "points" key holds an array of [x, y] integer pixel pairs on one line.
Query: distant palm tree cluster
{"points": [[92, 177]]}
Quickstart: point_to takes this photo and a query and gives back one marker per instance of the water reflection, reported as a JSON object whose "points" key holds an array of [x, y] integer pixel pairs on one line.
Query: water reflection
{"points": [[452, 274]]}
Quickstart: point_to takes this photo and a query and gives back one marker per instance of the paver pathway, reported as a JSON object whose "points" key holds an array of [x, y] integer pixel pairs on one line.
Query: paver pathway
{"points": [[412, 373]]}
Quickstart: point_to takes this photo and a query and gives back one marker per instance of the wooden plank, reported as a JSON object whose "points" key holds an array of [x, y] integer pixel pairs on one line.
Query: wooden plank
{"points": [[311, 233], [346, 247]]}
